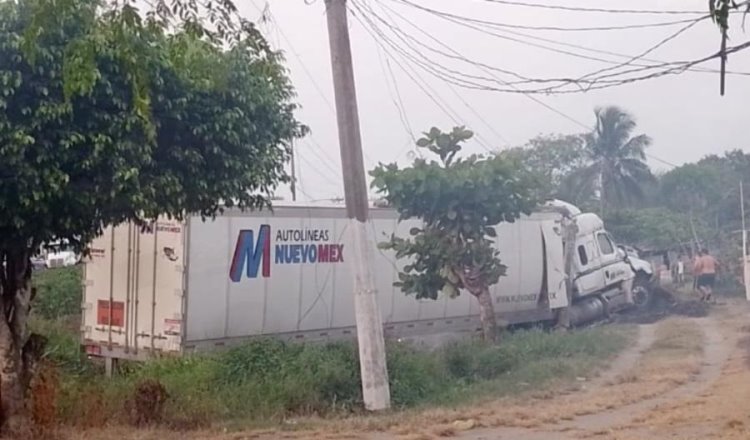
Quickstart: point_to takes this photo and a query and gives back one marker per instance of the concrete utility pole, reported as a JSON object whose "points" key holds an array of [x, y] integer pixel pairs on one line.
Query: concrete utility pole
{"points": [[375, 389]]}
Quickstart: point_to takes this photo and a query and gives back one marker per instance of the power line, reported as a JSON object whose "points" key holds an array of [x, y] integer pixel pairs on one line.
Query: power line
{"points": [[325, 163], [532, 98], [397, 102], [563, 52], [538, 101], [599, 10], [405, 148], [317, 170], [599, 51], [271, 17], [460, 79], [302, 64], [650, 50], [677, 69], [458, 95], [360, 15], [557, 28], [458, 56], [469, 81]]}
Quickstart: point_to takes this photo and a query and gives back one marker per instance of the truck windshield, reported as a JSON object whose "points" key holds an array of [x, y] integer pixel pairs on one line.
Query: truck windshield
{"points": [[605, 244]]}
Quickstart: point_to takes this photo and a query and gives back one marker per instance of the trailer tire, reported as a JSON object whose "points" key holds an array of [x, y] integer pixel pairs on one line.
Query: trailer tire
{"points": [[642, 293]]}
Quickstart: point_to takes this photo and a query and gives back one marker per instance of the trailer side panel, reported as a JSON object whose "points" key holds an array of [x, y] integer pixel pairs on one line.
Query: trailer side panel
{"points": [[289, 274]]}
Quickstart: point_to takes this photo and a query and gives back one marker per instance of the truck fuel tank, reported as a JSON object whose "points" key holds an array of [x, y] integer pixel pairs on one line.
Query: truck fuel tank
{"points": [[587, 310]]}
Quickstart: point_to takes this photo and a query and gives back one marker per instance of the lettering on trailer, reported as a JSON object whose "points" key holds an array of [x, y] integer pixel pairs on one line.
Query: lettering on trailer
{"points": [[148, 227], [290, 246]]}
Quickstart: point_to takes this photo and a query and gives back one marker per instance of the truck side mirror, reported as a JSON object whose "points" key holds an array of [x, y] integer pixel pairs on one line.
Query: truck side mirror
{"points": [[622, 252]]}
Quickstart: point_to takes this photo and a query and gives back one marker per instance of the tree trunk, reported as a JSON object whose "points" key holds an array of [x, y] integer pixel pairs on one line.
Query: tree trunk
{"points": [[471, 280], [16, 359], [12, 393], [487, 315]]}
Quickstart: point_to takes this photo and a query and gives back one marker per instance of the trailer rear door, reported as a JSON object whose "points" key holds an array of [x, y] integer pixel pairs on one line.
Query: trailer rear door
{"points": [[132, 303]]}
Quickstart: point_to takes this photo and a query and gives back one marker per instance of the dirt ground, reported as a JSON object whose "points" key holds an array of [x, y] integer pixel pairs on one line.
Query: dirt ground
{"points": [[687, 377]]}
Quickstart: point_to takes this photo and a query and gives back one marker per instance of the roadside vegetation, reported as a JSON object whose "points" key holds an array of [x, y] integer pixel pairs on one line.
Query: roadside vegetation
{"points": [[267, 381], [679, 209]]}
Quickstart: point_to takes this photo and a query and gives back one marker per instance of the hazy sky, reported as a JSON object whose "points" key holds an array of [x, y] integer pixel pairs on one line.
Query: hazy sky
{"points": [[684, 114]]}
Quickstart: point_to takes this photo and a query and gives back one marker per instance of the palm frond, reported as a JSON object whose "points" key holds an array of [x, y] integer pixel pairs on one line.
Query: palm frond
{"points": [[636, 168], [636, 147], [617, 156]]}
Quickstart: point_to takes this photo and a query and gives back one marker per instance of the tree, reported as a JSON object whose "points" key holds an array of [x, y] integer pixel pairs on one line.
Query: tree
{"points": [[709, 188], [552, 159], [693, 189], [79, 151], [459, 201], [654, 228], [617, 161]]}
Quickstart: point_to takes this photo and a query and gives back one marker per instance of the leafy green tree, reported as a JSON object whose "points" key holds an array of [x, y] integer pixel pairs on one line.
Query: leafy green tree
{"points": [[79, 151], [654, 228], [693, 189], [617, 160], [459, 201], [552, 159], [709, 189]]}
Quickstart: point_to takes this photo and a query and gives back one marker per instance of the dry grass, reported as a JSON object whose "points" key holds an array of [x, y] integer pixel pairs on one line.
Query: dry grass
{"points": [[671, 361], [717, 413], [674, 358]]}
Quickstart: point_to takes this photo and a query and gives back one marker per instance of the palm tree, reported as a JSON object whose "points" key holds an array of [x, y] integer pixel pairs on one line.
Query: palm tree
{"points": [[617, 168]]}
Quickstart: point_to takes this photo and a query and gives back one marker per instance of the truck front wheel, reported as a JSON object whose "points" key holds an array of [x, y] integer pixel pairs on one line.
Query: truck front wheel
{"points": [[642, 292]]}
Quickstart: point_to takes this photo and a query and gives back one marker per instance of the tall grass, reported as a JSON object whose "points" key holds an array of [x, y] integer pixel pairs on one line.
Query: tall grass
{"points": [[268, 380], [59, 292]]}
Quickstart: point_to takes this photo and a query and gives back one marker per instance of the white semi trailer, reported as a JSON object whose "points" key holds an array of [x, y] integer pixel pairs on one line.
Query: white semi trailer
{"points": [[179, 287]]}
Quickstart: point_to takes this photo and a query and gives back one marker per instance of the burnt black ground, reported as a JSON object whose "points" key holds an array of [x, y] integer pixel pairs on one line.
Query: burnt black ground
{"points": [[663, 304]]}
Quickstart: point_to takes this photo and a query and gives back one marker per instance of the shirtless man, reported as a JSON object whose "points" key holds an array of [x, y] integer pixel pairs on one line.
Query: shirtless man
{"points": [[705, 269]]}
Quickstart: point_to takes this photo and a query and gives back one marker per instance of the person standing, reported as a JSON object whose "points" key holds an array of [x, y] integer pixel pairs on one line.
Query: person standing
{"points": [[705, 269], [680, 271]]}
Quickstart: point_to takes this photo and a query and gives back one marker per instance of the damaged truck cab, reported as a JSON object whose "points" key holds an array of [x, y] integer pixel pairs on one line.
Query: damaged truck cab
{"points": [[604, 278]]}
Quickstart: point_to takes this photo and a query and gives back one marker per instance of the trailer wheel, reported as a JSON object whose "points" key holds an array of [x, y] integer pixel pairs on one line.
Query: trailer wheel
{"points": [[642, 295]]}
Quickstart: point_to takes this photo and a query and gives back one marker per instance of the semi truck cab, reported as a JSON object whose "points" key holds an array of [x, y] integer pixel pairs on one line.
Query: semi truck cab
{"points": [[605, 278], [604, 275]]}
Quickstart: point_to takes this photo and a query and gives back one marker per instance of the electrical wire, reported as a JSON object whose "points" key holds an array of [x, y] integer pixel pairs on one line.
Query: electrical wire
{"points": [[558, 28], [599, 10], [458, 95], [661, 43], [300, 185], [397, 102], [359, 14], [327, 178], [325, 163], [479, 83], [563, 82], [599, 51], [558, 112], [444, 73], [532, 98], [657, 63], [307, 72]]}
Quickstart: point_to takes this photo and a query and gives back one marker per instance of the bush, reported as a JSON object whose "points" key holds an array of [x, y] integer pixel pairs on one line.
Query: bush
{"points": [[58, 292], [269, 379], [63, 346], [414, 375]]}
